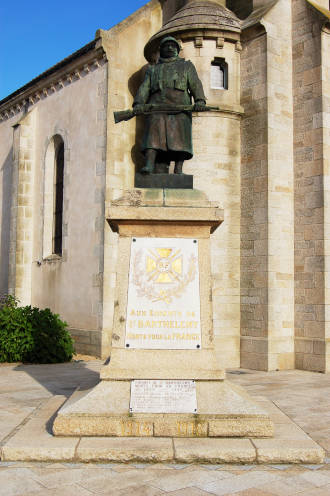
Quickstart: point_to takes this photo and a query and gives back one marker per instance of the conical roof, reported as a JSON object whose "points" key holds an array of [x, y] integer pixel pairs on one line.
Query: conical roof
{"points": [[196, 15]]}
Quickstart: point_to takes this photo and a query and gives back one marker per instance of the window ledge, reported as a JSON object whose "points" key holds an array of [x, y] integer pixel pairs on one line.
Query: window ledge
{"points": [[52, 258]]}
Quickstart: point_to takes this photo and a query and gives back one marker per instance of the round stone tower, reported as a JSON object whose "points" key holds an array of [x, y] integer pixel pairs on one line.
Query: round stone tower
{"points": [[209, 35]]}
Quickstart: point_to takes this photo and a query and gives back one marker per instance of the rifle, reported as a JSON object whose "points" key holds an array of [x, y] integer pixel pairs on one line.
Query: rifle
{"points": [[149, 108]]}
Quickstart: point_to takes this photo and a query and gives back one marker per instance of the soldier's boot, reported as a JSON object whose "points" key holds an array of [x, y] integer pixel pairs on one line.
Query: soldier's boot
{"points": [[178, 167], [150, 162]]}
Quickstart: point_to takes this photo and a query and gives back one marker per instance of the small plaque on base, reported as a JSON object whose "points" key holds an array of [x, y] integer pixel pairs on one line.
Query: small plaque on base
{"points": [[164, 181], [163, 396]]}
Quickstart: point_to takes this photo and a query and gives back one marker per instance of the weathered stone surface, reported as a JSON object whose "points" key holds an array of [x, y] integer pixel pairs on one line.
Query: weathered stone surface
{"points": [[125, 450], [214, 450], [174, 214], [224, 410], [187, 198], [76, 425], [181, 427], [311, 151], [267, 193], [139, 197], [288, 437], [166, 364], [226, 399], [34, 441], [240, 427], [288, 451]]}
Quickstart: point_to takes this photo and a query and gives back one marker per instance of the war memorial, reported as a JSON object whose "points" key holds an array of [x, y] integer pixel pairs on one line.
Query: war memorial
{"points": [[193, 141]]}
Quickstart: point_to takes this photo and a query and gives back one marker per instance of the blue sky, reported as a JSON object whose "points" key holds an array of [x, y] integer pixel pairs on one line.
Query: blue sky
{"points": [[34, 35]]}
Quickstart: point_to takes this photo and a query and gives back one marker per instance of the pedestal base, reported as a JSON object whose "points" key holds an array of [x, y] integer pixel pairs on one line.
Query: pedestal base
{"points": [[164, 181], [289, 445], [223, 410], [163, 337]]}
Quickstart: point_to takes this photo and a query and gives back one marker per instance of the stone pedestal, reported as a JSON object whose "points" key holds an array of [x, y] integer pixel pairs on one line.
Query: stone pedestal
{"points": [[162, 378], [164, 181]]}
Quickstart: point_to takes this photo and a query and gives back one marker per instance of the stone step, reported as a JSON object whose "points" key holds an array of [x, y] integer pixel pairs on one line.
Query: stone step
{"points": [[34, 442], [223, 410]]}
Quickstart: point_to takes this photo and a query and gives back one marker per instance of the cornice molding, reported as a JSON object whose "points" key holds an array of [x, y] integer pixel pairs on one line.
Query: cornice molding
{"points": [[322, 10], [46, 86]]}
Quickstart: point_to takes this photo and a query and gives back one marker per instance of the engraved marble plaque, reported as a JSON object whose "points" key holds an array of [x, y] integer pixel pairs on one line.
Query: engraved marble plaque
{"points": [[163, 307], [163, 396]]}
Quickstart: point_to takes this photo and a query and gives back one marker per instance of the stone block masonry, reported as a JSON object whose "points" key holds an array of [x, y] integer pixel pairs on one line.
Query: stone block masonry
{"points": [[21, 235], [311, 98], [254, 186], [267, 298], [87, 342]]}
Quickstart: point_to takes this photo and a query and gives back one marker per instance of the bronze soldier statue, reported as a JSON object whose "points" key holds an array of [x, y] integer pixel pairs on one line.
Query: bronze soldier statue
{"points": [[170, 84]]}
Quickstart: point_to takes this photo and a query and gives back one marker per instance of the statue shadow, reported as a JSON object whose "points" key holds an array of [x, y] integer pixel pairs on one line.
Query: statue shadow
{"points": [[170, 8], [63, 378]]}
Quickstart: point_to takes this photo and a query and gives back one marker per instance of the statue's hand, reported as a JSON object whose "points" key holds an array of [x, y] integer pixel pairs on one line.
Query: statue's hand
{"points": [[138, 108], [199, 105]]}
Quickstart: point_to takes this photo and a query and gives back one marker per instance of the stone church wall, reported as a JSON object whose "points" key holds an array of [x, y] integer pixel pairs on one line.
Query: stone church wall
{"points": [[7, 189], [71, 284], [267, 193], [254, 187], [216, 170], [280, 188], [311, 139]]}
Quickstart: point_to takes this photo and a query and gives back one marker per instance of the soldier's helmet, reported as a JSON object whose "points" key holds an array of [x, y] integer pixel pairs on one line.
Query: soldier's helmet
{"points": [[167, 39]]}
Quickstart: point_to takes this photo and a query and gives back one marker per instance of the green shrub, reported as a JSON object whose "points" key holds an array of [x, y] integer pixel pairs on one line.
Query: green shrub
{"points": [[32, 335]]}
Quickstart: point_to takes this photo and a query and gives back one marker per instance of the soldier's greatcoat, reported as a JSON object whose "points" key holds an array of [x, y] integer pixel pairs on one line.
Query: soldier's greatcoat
{"points": [[170, 82]]}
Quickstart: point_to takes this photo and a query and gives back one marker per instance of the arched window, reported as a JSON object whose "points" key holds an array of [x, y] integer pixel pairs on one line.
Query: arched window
{"points": [[58, 199], [53, 198], [219, 74]]}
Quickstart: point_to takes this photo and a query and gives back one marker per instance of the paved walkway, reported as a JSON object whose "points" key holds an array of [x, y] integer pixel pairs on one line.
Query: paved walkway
{"points": [[303, 396]]}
